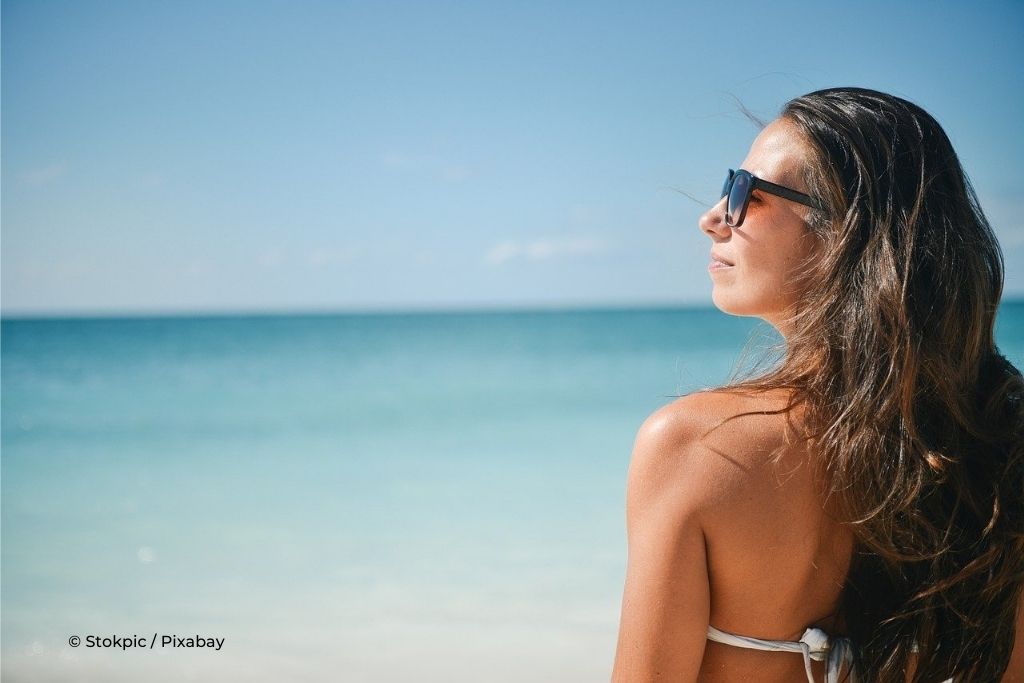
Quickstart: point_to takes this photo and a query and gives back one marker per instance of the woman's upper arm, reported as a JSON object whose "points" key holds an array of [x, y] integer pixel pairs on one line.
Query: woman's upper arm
{"points": [[666, 599]]}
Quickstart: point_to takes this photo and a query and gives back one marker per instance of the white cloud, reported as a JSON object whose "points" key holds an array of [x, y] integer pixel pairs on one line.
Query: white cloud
{"points": [[500, 253], [542, 249], [43, 175]]}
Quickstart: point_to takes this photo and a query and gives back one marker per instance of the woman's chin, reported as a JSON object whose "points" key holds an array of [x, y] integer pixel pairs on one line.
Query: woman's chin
{"points": [[724, 302], [732, 306]]}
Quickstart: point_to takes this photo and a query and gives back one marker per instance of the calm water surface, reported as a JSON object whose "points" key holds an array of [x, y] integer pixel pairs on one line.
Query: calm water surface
{"points": [[429, 497]]}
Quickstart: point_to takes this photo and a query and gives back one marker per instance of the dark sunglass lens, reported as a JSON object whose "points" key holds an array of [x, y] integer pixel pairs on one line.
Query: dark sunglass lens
{"points": [[725, 186], [737, 197]]}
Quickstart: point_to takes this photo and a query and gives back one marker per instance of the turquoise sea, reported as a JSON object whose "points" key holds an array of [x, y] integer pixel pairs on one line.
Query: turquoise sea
{"points": [[360, 497]]}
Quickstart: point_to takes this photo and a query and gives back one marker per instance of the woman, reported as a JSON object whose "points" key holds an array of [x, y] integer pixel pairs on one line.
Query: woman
{"points": [[859, 506]]}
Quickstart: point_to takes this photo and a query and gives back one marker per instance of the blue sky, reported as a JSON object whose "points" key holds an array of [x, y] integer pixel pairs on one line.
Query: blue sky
{"points": [[275, 156]]}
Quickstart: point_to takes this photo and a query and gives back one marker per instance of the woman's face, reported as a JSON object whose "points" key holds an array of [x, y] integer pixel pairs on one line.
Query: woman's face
{"points": [[767, 249]]}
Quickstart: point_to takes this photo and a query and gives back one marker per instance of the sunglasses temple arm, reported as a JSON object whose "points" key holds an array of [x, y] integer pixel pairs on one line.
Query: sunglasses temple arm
{"points": [[787, 193]]}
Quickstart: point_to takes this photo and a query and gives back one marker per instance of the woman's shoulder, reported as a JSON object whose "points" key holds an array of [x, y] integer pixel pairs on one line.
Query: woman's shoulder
{"points": [[721, 416], [708, 447]]}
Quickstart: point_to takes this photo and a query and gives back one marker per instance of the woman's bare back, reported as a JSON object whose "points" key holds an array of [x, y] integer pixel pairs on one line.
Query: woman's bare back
{"points": [[776, 560]]}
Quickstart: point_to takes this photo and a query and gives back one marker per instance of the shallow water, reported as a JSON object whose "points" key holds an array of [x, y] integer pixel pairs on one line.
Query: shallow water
{"points": [[388, 497]]}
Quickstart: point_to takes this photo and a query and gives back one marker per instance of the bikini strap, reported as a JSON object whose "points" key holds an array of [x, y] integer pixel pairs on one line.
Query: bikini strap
{"points": [[813, 644]]}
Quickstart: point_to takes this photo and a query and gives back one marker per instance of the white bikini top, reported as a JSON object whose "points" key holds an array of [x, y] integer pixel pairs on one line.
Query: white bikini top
{"points": [[813, 644]]}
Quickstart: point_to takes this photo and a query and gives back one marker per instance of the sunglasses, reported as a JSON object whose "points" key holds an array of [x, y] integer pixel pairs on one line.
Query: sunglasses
{"points": [[739, 185]]}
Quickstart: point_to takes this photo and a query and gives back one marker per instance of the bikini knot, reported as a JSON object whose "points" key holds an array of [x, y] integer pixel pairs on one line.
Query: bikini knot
{"points": [[817, 642]]}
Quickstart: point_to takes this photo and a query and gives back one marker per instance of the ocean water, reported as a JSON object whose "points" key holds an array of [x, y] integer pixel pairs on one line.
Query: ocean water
{"points": [[371, 497]]}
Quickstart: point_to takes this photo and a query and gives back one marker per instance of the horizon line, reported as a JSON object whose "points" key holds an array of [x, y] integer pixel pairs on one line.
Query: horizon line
{"points": [[408, 309]]}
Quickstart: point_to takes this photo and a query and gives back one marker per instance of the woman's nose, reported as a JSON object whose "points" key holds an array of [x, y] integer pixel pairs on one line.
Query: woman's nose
{"points": [[712, 222]]}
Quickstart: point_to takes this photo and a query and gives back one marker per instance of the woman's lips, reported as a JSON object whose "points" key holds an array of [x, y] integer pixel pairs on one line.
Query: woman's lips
{"points": [[718, 263]]}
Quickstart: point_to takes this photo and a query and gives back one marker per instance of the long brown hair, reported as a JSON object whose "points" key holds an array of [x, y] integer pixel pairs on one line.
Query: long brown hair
{"points": [[915, 418]]}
